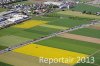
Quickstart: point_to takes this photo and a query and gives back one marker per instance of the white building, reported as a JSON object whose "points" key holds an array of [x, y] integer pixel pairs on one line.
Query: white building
{"points": [[54, 3], [17, 17]]}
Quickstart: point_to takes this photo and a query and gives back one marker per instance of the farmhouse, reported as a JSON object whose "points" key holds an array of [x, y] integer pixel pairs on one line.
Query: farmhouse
{"points": [[98, 13]]}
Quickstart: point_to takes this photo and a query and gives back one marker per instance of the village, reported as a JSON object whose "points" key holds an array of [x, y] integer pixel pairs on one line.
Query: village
{"points": [[49, 32]]}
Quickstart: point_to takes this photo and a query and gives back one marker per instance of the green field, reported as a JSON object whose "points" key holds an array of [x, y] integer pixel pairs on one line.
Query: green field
{"points": [[61, 15], [12, 36], [42, 30], [24, 2], [71, 45], [9, 31], [39, 31], [97, 58], [75, 46], [19, 32], [54, 26], [11, 40], [68, 22], [2, 9], [2, 47], [96, 63], [30, 35], [87, 32], [4, 64], [78, 14], [44, 18], [20, 59], [83, 0], [85, 64], [85, 7], [64, 20]]}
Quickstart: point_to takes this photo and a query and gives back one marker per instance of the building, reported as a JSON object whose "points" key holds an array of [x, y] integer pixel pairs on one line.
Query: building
{"points": [[9, 1], [41, 0], [12, 17], [53, 3]]}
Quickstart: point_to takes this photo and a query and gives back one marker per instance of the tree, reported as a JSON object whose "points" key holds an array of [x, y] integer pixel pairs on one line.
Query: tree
{"points": [[84, 12], [89, 12]]}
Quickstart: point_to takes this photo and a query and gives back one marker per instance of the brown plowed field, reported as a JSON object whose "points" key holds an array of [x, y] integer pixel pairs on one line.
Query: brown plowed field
{"points": [[81, 38]]}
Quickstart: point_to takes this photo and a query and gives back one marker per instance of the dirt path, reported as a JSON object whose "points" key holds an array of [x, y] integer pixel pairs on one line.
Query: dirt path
{"points": [[81, 38], [95, 27]]}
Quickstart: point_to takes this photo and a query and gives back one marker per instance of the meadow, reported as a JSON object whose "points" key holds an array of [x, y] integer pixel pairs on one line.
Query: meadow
{"points": [[11, 40], [2, 9], [20, 59], [2, 47], [71, 45], [78, 14], [87, 32], [96, 63], [83, 0], [42, 30], [85, 7], [69, 22], [85, 64], [97, 58], [4, 64]]}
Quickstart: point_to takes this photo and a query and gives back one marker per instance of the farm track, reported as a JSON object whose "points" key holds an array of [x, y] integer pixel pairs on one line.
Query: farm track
{"points": [[95, 27]]}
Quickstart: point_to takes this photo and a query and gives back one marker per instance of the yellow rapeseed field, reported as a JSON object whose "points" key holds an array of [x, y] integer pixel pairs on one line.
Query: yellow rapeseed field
{"points": [[49, 52], [30, 23]]}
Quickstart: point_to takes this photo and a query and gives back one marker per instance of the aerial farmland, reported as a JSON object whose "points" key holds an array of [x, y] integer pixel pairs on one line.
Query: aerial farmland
{"points": [[50, 33]]}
